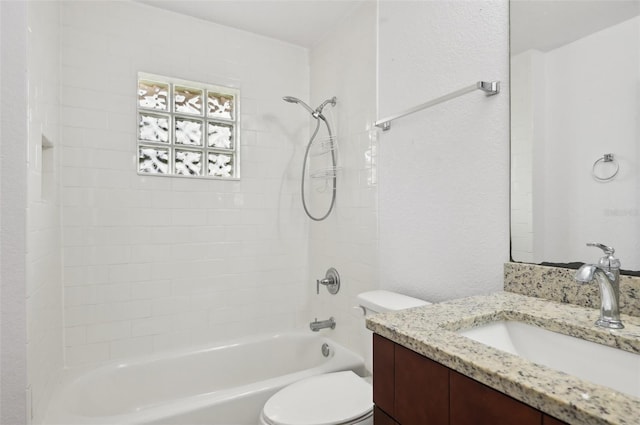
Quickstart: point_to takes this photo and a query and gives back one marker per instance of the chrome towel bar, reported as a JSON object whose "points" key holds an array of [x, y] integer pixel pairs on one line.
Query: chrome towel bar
{"points": [[489, 87]]}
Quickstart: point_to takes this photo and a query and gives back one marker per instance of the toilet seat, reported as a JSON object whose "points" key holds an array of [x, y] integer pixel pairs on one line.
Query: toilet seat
{"points": [[337, 398]]}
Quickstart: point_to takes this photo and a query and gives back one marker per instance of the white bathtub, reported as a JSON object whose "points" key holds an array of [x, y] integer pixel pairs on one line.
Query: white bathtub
{"points": [[226, 384]]}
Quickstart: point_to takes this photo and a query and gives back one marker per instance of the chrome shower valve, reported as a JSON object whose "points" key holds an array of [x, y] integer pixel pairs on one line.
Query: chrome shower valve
{"points": [[331, 281]]}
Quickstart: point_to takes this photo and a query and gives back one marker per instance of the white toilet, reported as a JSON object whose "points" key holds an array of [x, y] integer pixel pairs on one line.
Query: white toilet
{"points": [[339, 398]]}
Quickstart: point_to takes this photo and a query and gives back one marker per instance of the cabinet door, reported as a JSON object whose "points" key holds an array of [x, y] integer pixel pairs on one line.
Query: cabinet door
{"points": [[422, 389], [473, 403], [381, 418], [383, 370], [550, 420]]}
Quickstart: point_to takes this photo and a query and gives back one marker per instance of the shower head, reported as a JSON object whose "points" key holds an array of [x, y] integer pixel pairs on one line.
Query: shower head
{"points": [[292, 99], [318, 111]]}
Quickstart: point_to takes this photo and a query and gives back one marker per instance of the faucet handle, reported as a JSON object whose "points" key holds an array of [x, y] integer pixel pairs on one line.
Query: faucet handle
{"points": [[331, 281], [608, 261], [607, 249]]}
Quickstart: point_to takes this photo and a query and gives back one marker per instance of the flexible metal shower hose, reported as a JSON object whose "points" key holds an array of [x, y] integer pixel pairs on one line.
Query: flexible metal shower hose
{"points": [[304, 168]]}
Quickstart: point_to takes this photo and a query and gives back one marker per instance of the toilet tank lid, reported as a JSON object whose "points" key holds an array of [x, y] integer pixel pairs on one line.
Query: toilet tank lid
{"points": [[381, 301]]}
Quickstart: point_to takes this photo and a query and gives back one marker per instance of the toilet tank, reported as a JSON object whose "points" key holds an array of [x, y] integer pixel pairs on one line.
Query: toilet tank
{"points": [[381, 301]]}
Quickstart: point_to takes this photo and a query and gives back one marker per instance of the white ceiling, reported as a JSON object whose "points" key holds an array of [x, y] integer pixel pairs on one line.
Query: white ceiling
{"points": [[547, 24], [301, 22], [537, 24]]}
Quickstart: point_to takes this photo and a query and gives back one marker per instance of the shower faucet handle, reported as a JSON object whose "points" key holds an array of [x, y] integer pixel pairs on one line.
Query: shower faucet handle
{"points": [[331, 281], [321, 281]]}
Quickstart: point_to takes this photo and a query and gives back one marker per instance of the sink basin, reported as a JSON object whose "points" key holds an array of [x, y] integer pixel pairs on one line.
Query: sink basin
{"points": [[599, 364]]}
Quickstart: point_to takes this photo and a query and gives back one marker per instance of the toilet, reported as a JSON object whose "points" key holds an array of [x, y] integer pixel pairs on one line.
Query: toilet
{"points": [[338, 398]]}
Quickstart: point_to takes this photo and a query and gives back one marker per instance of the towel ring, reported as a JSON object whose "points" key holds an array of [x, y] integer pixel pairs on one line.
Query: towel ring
{"points": [[607, 157]]}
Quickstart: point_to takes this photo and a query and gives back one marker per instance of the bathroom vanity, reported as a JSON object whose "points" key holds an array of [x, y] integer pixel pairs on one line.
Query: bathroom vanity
{"points": [[427, 372], [412, 389]]}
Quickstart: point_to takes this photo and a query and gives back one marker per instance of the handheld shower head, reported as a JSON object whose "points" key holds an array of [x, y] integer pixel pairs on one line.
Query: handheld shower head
{"points": [[292, 99], [318, 111]]}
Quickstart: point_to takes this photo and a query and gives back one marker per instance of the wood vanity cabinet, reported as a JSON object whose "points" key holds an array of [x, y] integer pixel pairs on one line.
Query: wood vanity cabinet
{"points": [[473, 403], [381, 418], [550, 420], [384, 373], [410, 389]]}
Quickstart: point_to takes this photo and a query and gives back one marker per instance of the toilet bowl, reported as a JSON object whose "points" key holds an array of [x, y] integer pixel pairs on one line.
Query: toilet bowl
{"points": [[328, 399], [338, 398]]}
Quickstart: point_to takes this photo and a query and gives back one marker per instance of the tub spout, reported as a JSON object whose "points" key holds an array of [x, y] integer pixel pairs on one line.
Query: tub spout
{"points": [[317, 325]]}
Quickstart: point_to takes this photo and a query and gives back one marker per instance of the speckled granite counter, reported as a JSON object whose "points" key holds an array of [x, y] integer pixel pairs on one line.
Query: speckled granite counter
{"points": [[559, 284], [430, 331]]}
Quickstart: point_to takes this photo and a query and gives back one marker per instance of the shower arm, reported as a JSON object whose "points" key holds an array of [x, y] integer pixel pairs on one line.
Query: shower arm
{"points": [[319, 109]]}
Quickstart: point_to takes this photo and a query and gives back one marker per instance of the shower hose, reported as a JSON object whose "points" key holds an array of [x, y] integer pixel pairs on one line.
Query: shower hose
{"points": [[334, 171]]}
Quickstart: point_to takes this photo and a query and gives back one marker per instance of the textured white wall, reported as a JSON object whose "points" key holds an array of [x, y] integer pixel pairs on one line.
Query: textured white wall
{"points": [[444, 172], [152, 263], [43, 256], [344, 65], [13, 198]]}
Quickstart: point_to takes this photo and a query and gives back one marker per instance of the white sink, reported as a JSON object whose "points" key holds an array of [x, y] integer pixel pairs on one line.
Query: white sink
{"points": [[586, 360]]}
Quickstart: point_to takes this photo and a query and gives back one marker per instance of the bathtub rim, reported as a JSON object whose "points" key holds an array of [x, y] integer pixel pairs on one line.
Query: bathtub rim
{"points": [[58, 411]]}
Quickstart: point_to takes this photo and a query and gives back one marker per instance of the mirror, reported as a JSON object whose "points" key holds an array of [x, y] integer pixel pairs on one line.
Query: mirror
{"points": [[575, 130]]}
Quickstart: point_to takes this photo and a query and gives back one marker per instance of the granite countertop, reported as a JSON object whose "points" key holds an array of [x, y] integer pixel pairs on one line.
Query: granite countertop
{"points": [[430, 331]]}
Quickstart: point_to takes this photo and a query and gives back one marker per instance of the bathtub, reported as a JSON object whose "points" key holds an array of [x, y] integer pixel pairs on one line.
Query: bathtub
{"points": [[225, 384]]}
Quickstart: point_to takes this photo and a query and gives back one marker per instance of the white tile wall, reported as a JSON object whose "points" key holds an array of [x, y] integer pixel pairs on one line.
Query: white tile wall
{"points": [[444, 181], [43, 257], [527, 88], [156, 263], [347, 239], [152, 263]]}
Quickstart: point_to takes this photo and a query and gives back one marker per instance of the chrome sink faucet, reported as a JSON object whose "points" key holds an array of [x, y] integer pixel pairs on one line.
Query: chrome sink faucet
{"points": [[607, 274]]}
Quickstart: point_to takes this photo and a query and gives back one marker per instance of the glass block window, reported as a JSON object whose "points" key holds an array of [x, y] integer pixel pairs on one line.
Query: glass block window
{"points": [[187, 129]]}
